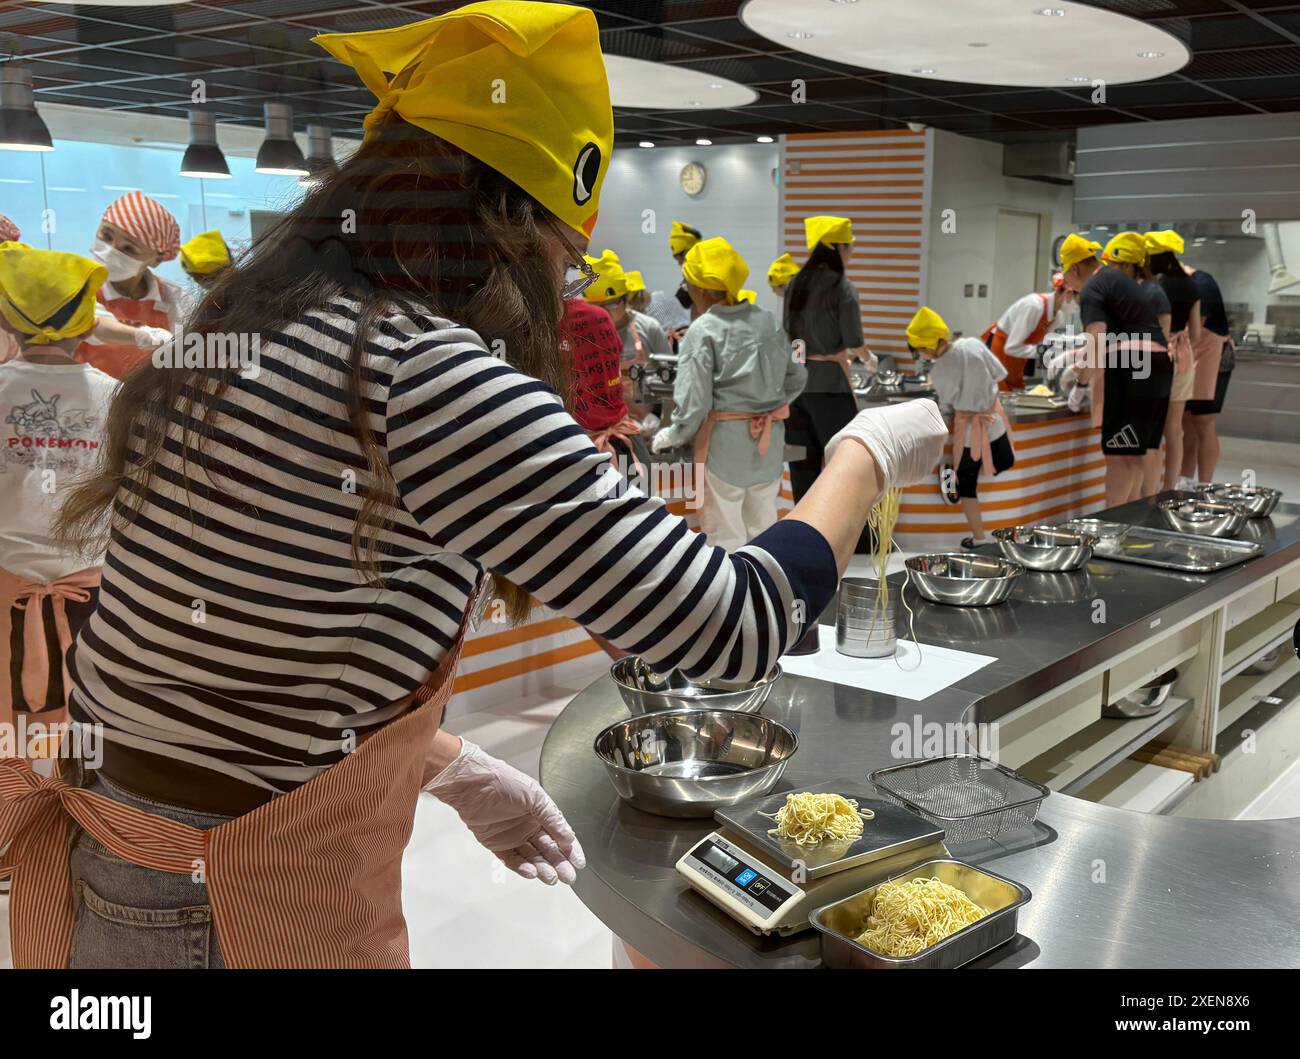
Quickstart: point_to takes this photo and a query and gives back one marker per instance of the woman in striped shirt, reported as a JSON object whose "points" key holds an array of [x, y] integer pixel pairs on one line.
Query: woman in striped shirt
{"points": [[294, 547]]}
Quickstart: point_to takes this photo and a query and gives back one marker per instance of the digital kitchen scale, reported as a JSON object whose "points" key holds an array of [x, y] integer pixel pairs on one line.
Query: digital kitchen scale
{"points": [[771, 886]]}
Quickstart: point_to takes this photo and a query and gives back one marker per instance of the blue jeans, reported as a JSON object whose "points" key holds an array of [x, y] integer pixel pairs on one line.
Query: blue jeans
{"points": [[129, 916]]}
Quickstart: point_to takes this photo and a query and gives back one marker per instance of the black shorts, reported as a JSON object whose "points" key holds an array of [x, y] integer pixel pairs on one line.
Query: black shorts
{"points": [[1213, 406], [1134, 410], [968, 468]]}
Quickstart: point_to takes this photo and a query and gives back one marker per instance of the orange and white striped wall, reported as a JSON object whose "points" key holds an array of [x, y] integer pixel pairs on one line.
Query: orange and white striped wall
{"points": [[1059, 474]]}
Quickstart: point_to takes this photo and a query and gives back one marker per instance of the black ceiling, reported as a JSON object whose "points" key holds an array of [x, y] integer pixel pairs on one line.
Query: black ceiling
{"points": [[1246, 59]]}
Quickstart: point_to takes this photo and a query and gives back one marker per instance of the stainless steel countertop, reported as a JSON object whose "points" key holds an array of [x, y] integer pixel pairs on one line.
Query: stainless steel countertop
{"points": [[1112, 888]]}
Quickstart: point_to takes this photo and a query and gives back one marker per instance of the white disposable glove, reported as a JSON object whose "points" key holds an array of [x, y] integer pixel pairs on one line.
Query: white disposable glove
{"points": [[905, 439], [650, 424], [151, 337], [511, 815], [661, 442], [871, 361]]}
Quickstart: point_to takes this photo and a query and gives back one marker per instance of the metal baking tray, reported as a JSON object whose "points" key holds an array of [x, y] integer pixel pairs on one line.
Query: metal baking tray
{"points": [[893, 830], [1185, 552], [968, 796], [842, 921], [1037, 402]]}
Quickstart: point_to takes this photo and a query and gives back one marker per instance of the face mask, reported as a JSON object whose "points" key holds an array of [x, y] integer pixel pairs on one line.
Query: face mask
{"points": [[120, 266]]}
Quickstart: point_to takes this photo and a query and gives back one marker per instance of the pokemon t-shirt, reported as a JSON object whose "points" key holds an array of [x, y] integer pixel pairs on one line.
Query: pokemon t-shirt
{"points": [[52, 417]]}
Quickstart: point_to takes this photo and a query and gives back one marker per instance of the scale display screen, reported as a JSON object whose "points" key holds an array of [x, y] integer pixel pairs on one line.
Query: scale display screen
{"points": [[754, 888]]}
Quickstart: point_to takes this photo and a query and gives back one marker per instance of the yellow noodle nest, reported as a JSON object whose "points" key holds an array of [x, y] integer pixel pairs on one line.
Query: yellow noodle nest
{"points": [[913, 915], [809, 819]]}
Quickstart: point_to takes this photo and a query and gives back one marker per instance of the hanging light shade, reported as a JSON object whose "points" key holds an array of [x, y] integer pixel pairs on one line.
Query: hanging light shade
{"points": [[21, 128], [279, 154], [320, 155], [203, 158]]}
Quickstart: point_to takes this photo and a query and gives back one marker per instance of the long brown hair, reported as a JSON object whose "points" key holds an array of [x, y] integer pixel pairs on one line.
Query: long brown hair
{"points": [[409, 222]]}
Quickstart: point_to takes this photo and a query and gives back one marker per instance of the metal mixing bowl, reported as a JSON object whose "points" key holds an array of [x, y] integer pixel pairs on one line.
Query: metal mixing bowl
{"points": [[1146, 700], [687, 763], [1205, 517], [1258, 501], [1110, 532], [645, 691], [963, 580], [1045, 549]]}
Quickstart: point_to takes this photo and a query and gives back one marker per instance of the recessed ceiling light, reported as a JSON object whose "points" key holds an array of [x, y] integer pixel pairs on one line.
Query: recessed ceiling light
{"points": [[1080, 80], [1051, 12], [766, 139], [696, 103], [799, 35], [1151, 55], [1220, 242], [703, 143], [715, 84], [645, 143], [923, 70]]}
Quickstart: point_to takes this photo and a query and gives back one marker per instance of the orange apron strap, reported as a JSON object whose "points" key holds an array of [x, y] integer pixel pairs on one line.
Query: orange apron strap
{"points": [[28, 597]]}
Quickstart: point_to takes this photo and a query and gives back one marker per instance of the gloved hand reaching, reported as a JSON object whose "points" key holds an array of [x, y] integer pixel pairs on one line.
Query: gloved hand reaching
{"points": [[661, 443], [510, 814], [147, 337], [905, 439]]}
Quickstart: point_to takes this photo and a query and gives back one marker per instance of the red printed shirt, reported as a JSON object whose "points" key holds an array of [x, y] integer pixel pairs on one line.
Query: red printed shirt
{"points": [[592, 348]]}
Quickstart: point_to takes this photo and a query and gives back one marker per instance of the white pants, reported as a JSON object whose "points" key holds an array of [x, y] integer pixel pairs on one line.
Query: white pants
{"points": [[733, 515]]}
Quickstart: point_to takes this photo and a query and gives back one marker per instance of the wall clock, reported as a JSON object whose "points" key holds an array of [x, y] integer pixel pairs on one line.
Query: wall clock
{"points": [[693, 178]]}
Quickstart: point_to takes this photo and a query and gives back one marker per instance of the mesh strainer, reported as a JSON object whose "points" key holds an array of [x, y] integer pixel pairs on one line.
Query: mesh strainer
{"points": [[968, 796]]}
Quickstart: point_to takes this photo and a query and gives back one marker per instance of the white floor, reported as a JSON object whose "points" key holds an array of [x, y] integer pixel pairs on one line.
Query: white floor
{"points": [[465, 911]]}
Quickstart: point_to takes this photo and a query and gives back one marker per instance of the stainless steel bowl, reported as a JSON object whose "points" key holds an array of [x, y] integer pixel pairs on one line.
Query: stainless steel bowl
{"points": [[1146, 700], [1204, 517], [645, 691], [1258, 501], [1045, 549], [1110, 532], [687, 763], [963, 580], [888, 378]]}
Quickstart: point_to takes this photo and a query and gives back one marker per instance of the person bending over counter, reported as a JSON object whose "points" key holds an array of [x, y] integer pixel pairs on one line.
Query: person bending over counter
{"points": [[1018, 331], [736, 377], [965, 375], [299, 723], [1125, 361]]}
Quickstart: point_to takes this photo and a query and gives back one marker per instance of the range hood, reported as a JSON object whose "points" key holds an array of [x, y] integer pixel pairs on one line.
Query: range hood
{"points": [[1052, 163]]}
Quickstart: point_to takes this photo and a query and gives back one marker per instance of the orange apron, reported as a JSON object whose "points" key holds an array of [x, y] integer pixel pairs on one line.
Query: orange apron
{"points": [[981, 445], [118, 358], [27, 595], [996, 339], [310, 879], [625, 428], [760, 429], [1209, 354], [841, 358]]}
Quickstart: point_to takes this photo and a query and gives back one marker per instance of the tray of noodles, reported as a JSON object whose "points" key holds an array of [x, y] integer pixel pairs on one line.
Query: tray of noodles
{"points": [[938, 914]]}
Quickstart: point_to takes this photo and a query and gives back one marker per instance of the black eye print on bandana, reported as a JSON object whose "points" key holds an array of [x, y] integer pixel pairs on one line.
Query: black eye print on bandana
{"points": [[586, 170]]}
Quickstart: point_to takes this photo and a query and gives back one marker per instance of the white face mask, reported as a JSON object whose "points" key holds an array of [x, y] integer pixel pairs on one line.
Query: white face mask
{"points": [[120, 266]]}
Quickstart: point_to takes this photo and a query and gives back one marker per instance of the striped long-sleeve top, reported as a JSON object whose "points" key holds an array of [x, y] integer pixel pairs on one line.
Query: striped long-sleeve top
{"points": [[234, 633]]}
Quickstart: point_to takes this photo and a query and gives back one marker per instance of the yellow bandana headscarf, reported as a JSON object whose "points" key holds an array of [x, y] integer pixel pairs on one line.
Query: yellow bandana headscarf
{"points": [[680, 239], [783, 270], [611, 280], [520, 86], [205, 254], [1128, 247], [829, 230], [1166, 242], [750, 296], [712, 264], [38, 285], [1076, 248], [635, 282], [926, 330]]}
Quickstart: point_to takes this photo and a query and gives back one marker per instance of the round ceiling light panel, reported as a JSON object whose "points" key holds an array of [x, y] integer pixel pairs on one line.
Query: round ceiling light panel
{"points": [[660, 86], [1029, 45]]}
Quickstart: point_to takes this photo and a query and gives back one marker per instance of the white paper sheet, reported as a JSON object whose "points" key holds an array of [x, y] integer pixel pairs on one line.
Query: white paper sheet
{"points": [[905, 675]]}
